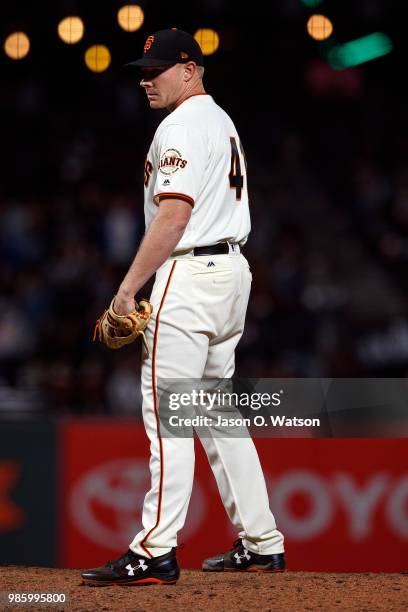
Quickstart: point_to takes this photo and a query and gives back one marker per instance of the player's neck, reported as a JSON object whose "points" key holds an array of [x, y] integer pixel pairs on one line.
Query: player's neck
{"points": [[197, 90]]}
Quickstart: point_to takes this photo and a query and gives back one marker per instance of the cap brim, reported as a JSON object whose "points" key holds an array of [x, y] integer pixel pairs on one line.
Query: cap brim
{"points": [[150, 63]]}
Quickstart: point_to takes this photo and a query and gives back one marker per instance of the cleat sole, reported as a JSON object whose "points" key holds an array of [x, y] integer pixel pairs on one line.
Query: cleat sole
{"points": [[251, 568], [142, 581]]}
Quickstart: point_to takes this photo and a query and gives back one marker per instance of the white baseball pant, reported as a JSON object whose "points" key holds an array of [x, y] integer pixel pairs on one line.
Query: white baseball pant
{"points": [[199, 317]]}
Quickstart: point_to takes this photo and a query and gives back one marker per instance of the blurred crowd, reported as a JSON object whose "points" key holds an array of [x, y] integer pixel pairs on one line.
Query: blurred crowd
{"points": [[328, 295], [328, 184]]}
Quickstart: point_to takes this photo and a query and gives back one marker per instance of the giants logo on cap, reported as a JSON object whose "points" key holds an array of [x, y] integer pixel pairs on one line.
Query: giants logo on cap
{"points": [[148, 44]]}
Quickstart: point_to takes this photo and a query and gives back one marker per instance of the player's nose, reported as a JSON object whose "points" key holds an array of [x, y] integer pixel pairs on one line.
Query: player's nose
{"points": [[145, 82]]}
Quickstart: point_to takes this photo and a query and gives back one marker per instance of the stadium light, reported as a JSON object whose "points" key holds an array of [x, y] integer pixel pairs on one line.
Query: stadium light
{"points": [[360, 51], [17, 45], [71, 30], [97, 58], [319, 27], [130, 17], [208, 40]]}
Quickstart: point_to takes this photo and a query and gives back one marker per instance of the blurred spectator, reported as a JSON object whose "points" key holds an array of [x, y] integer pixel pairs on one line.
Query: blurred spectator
{"points": [[122, 231], [123, 388], [17, 336]]}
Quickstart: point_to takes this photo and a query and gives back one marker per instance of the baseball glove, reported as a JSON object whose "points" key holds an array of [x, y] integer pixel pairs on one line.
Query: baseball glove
{"points": [[117, 330]]}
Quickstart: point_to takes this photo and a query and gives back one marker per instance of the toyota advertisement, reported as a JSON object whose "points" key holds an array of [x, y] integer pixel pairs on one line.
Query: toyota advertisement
{"points": [[344, 495], [71, 495]]}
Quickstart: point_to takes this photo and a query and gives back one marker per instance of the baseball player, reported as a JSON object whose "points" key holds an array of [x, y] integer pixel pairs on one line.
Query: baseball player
{"points": [[197, 220]]}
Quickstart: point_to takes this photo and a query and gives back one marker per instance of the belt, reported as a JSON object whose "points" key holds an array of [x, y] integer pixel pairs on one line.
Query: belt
{"points": [[215, 249]]}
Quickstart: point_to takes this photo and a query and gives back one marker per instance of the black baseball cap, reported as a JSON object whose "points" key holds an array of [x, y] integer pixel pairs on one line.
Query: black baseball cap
{"points": [[169, 47]]}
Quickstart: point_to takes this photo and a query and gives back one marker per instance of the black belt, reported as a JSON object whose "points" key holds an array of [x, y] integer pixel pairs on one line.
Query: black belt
{"points": [[214, 249]]}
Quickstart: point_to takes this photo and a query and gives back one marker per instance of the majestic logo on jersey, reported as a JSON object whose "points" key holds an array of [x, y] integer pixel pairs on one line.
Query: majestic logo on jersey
{"points": [[148, 43], [171, 161], [166, 182]]}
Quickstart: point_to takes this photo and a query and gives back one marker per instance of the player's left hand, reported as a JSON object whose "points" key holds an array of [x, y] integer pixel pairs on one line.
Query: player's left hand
{"points": [[115, 329], [123, 305]]}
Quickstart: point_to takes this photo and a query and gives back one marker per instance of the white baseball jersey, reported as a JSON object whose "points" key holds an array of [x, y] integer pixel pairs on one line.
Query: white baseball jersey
{"points": [[196, 156]]}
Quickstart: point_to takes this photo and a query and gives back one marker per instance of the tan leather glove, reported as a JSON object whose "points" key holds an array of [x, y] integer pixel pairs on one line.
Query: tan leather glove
{"points": [[117, 330]]}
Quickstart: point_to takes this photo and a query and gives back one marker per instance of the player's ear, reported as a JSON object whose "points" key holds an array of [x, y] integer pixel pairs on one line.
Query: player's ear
{"points": [[189, 69]]}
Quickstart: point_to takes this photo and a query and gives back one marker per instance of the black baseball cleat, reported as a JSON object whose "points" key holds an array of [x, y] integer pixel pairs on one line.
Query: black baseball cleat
{"points": [[132, 569], [239, 559]]}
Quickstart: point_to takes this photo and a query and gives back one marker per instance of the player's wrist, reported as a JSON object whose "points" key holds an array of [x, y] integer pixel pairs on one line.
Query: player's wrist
{"points": [[125, 293]]}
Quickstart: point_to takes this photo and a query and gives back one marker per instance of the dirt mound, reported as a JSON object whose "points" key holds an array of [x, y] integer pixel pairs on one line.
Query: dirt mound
{"points": [[200, 591]]}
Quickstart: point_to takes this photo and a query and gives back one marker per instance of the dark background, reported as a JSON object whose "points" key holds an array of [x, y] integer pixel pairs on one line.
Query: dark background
{"points": [[327, 159]]}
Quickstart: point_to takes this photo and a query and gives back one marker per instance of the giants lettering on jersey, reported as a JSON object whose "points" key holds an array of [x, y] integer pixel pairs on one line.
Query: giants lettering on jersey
{"points": [[171, 161]]}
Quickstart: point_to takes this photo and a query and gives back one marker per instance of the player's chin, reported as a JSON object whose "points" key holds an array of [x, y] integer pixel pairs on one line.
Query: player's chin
{"points": [[154, 102]]}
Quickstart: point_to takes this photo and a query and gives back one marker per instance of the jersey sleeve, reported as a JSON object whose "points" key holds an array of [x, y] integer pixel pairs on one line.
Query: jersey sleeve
{"points": [[181, 163]]}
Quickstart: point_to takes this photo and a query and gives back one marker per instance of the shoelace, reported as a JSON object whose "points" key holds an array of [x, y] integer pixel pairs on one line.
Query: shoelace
{"points": [[127, 557]]}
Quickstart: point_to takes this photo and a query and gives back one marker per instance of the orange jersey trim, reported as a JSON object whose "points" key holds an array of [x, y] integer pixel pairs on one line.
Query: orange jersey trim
{"points": [[156, 411], [172, 196]]}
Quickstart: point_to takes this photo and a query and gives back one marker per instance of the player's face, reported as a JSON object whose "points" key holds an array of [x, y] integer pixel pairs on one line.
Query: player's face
{"points": [[163, 85]]}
